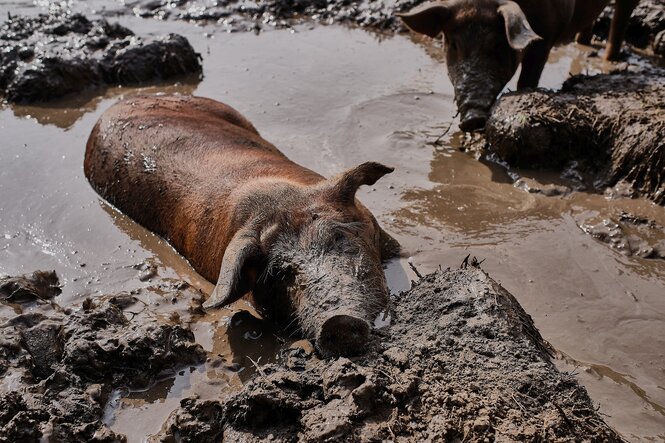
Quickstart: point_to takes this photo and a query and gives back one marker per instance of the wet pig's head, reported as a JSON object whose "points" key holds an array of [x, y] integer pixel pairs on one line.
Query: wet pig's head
{"points": [[311, 255], [484, 41]]}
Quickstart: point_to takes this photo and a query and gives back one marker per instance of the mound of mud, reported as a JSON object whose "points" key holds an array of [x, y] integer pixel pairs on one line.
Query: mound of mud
{"points": [[461, 362], [243, 15], [612, 125], [646, 28], [49, 56], [59, 367]]}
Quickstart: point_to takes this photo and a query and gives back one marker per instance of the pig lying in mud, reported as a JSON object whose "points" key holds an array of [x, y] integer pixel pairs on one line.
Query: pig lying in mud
{"points": [[486, 40], [197, 173]]}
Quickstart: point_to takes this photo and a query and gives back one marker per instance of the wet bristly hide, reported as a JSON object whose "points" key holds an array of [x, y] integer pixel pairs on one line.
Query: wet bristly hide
{"points": [[197, 173]]}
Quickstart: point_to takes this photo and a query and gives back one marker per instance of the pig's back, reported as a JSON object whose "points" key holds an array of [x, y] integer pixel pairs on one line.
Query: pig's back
{"points": [[164, 160]]}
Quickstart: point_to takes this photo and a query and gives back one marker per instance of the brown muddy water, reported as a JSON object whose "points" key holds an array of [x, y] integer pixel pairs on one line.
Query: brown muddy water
{"points": [[329, 98]]}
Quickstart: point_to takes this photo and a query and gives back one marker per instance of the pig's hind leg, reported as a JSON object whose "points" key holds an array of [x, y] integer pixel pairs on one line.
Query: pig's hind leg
{"points": [[622, 11]]}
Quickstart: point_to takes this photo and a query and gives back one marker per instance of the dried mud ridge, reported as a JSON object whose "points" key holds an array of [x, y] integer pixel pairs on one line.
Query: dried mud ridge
{"points": [[462, 361], [646, 28], [49, 56], [609, 126], [66, 362], [243, 15]]}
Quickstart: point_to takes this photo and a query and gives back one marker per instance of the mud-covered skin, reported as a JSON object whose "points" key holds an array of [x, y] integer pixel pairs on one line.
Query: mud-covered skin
{"points": [[646, 28], [49, 56], [197, 173], [487, 39], [461, 360], [612, 124], [66, 362]]}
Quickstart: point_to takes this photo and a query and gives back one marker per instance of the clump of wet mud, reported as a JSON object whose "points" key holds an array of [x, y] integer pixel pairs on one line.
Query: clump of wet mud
{"points": [[49, 56], [629, 234], [610, 126], [461, 362], [59, 366], [646, 27], [244, 15], [42, 285]]}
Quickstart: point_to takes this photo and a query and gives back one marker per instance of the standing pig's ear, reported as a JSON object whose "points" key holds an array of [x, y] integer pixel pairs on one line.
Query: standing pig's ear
{"points": [[237, 276], [429, 19], [518, 31], [345, 185]]}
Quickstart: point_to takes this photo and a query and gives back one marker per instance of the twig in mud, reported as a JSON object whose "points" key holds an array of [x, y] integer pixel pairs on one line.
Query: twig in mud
{"points": [[563, 415], [517, 402], [450, 125], [256, 365], [414, 269]]}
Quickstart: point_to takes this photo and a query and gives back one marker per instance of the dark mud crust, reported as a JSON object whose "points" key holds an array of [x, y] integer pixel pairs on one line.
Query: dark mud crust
{"points": [[646, 28], [461, 362], [612, 124], [40, 285], [242, 15], [67, 362], [49, 56]]}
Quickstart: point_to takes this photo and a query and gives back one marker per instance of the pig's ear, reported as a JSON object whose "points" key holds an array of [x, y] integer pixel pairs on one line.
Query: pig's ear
{"points": [[238, 273], [344, 186], [429, 19], [518, 31]]}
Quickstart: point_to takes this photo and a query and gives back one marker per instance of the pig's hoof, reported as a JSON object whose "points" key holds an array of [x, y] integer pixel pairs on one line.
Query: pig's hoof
{"points": [[473, 120], [343, 335]]}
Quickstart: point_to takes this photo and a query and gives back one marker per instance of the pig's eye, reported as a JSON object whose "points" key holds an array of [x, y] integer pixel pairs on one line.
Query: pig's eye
{"points": [[315, 216]]}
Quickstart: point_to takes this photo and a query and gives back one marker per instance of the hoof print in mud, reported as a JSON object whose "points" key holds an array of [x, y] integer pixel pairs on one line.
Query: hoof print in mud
{"points": [[611, 124], [462, 360], [49, 56]]}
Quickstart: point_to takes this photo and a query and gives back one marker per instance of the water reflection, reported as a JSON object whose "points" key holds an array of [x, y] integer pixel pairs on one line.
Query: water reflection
{"points": [[65, 112]]}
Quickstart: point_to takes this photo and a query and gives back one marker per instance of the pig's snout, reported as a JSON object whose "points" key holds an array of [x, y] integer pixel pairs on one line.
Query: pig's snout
{"points": [[473, 119], [343, 335]]}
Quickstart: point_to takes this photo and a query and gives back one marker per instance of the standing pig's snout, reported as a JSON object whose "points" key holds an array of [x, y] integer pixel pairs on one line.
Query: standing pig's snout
{"points": [[473, 119], [343, 335]]}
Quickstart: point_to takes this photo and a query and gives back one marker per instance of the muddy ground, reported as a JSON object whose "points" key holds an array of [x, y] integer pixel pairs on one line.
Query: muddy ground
{"points": [[331, 97], [646, 28], [610, 125], [52, 55], [246, 15], [460, 360], [60, 365]]}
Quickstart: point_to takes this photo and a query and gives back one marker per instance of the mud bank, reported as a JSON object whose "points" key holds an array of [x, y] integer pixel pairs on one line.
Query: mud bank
{"points": [[254, 16], [609, 127], [461, 361], [646, 28], [58, 366], [49, 56]]}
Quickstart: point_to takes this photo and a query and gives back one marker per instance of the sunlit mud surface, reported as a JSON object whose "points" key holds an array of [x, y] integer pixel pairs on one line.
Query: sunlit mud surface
{"points": [[330, 98]]}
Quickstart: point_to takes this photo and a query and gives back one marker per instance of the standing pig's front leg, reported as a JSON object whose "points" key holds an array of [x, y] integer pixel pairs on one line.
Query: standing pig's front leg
{"points": [[533, 63]]}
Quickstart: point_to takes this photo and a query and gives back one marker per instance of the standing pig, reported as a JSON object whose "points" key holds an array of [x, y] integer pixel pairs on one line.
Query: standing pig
{"points": [[485, 40], [197, 173]]}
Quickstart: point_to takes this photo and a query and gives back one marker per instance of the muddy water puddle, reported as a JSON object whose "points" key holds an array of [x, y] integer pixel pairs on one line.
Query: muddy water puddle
{"points": [[329, 98]]}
